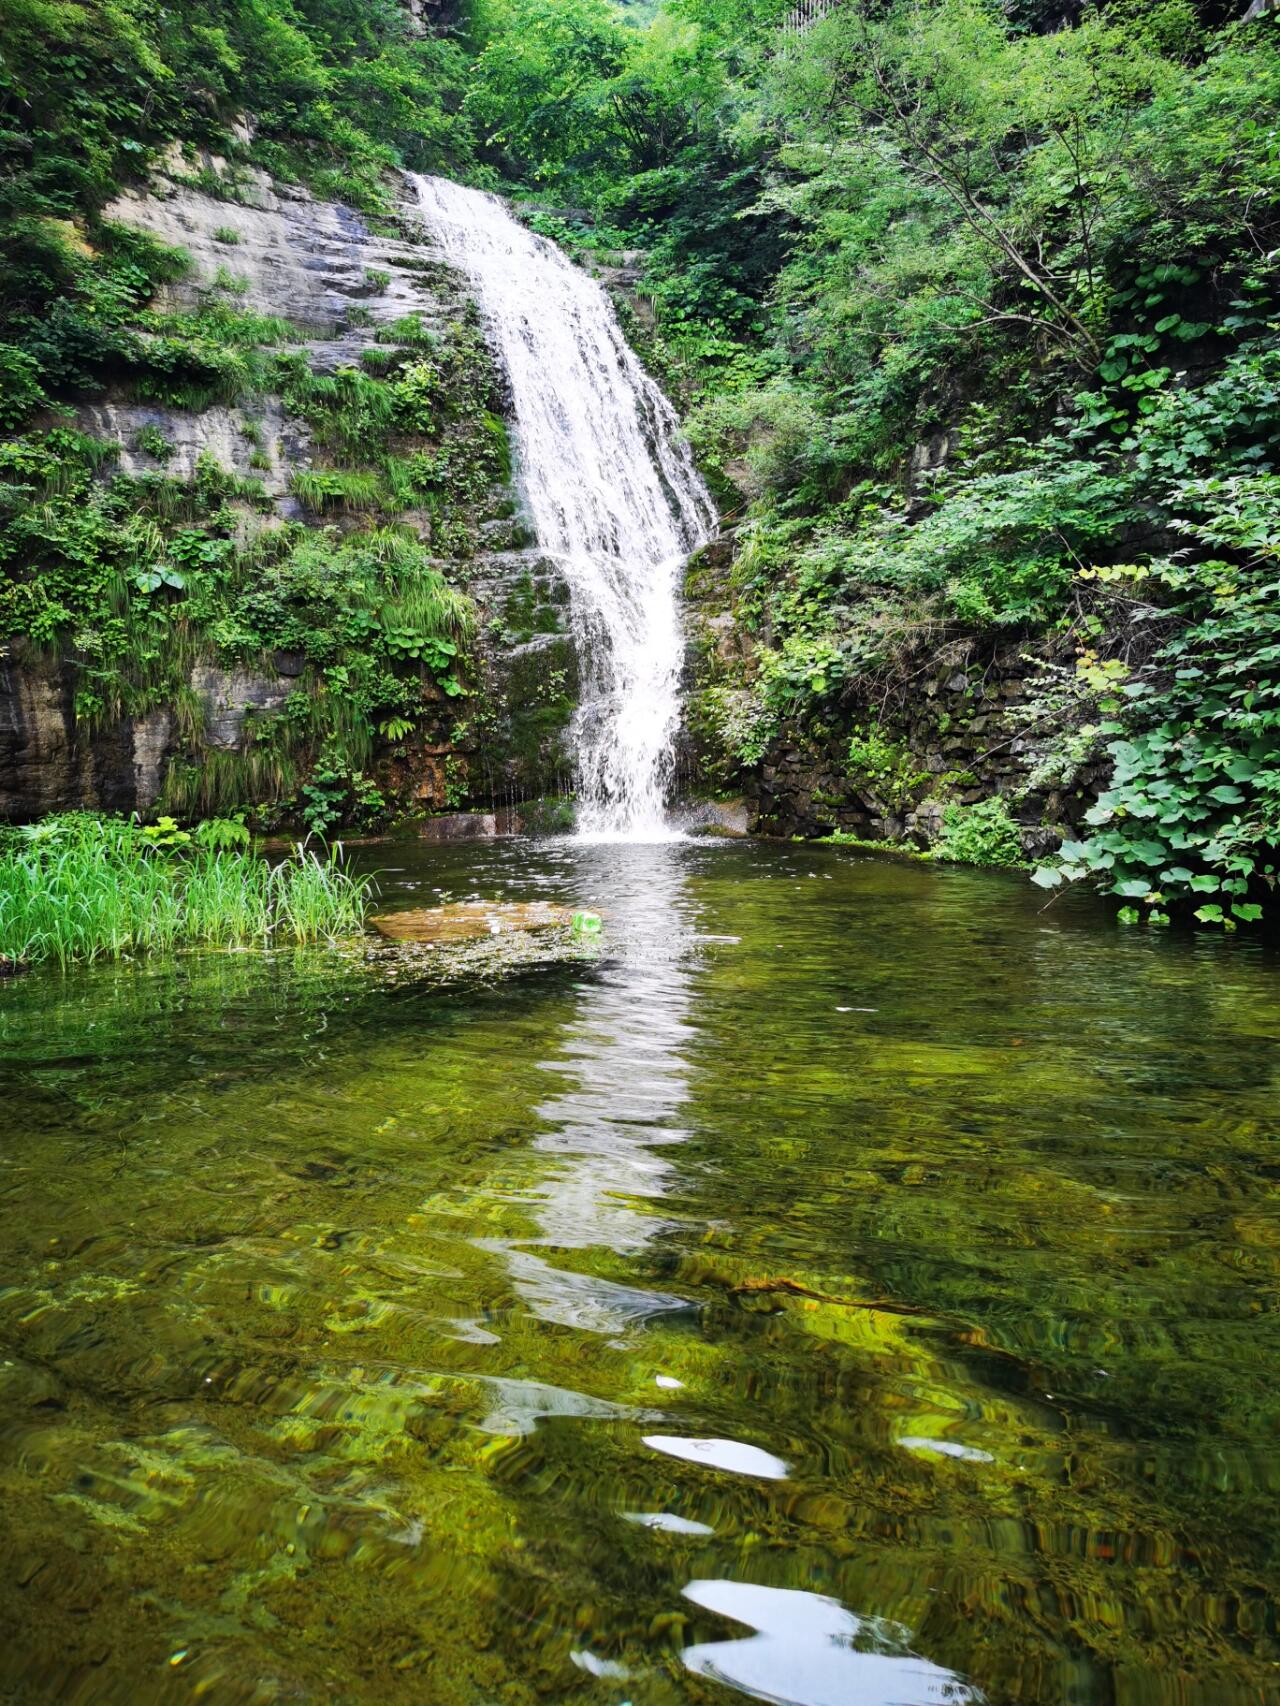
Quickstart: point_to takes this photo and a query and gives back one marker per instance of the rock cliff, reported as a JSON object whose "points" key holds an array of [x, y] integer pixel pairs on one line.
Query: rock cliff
{"points": [[327, 295]]}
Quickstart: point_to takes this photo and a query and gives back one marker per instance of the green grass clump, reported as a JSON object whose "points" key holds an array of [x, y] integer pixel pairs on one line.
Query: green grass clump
{"points": [[221, 323], [220, 779], [846, 838], [408, 330], [380, 359], [351, 490], [349, 412], [420, 597], [78, 888]]}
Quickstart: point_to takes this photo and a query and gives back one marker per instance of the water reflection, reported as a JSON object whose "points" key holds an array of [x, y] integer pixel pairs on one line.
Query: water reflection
{"points": [[810, 1651], [730, 1455], [624, 1078], [667, 1523]]}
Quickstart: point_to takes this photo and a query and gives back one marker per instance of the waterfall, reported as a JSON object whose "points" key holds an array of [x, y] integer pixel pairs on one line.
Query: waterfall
{"points": [[611, 491]]}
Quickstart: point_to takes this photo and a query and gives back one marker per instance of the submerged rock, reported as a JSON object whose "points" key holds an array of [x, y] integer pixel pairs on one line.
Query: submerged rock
{"points": [[476, 953], [471, 942], [470, 920]]}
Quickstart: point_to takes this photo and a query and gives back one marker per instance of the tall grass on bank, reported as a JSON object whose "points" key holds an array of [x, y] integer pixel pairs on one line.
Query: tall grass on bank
{"points": [[77, 888]]}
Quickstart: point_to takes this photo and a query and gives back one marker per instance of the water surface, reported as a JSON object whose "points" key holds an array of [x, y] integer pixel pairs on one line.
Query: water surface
{"points": [[854, 1287]]}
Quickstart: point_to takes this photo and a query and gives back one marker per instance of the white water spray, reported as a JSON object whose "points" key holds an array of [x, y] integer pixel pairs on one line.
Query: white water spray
{"points": [[611, 490]]}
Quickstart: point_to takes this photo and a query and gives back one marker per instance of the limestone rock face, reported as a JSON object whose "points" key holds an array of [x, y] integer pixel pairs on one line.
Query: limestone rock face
{"points": [[294, 257], [229, 435], [228, 695], [48, 764]]}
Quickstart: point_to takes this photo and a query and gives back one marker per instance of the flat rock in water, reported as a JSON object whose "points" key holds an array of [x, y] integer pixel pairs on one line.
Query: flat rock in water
{"points": [[467, 920], [459, 826]]}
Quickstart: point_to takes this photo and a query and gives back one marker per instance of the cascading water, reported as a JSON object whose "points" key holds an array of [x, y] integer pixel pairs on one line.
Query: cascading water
{"points": [[611, 490]]}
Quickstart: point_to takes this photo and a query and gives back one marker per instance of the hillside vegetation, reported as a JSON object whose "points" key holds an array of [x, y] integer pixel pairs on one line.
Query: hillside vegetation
{"points": [[972, 307]]}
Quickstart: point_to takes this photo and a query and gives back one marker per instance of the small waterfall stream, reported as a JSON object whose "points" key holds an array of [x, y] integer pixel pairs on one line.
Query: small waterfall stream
{"points": [[611, 490]]}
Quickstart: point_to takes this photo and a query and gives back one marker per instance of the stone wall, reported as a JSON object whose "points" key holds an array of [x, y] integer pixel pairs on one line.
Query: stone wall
{"points": [[964, 727], [965, 735]]}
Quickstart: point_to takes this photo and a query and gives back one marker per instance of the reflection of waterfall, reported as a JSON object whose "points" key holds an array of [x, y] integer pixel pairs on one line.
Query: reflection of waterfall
{"points": [[611, 489], [623, 1080], [810, 1651]]}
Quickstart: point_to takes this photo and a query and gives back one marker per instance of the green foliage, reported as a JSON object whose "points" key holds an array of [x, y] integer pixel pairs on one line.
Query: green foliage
{"points": [[349, 490], [537, 83], [134, 580], [95, 89], [336, 794], [339, 94], [21, 391], [217, 780], [223, 833], [884, 768], [153, 441], [456, 782], [420, 424], [736, 723], [980, 834], [218, 322], [1192, 812], [973, 305], [165, 832], [66, 305], [79, 888]]}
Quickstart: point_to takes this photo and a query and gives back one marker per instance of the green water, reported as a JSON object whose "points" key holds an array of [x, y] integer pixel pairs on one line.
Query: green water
{"points": [[856, 1286]]}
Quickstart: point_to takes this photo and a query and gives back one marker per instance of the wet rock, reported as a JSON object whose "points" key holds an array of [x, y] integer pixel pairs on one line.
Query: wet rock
{"points": [[237, 439], [296, 258], [48, 761], [459, 826], [152, 735], [467, 921], [1042, 841], [228, 695], [731, 818]]}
